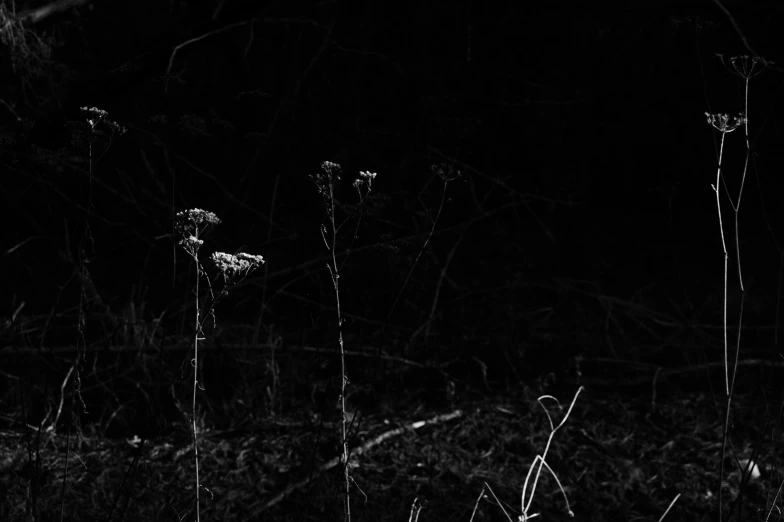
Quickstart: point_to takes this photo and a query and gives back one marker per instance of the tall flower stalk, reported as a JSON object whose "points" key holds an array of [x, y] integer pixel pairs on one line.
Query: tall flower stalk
{"points": [[192, 225], [325, 184]]}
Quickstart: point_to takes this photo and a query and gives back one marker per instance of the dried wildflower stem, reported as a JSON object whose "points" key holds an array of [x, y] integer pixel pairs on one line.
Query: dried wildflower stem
{"points": [[335, 275], [745, 67], [94, 117], [364, 448], [191, 225], [447, 173], [325, 183]]}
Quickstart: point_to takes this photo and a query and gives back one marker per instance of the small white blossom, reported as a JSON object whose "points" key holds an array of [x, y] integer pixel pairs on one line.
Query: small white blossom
{"points": [[198, 216], [250, 258], [195, 222], [324, 181], [94, 115], [367, 177], [330, 168], [232, 266], [725, 122], [191, 244]]}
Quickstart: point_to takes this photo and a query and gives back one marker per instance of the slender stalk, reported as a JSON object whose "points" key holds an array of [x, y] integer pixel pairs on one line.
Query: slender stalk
{"points": [[195, 384], [325, 183]]}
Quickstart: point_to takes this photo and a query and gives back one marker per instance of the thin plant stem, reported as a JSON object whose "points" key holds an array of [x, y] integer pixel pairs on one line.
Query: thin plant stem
{"points": [[335, 276], [447, 173], [741, 67], [94, 117], [325, 183], [195, 383]]}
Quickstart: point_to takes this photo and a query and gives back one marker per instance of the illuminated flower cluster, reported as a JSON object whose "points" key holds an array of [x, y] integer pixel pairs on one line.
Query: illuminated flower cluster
{"points": [[235, 265], [325, 180], [365, 179], [96, 116], [331, 168], [725, 122], [191, 225]]}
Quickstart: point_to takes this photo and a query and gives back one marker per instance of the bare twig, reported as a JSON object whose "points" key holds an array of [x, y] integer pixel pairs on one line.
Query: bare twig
{"points": [[438, 419]]}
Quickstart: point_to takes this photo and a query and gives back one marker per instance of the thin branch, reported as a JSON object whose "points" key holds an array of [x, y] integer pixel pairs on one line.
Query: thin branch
{"points": [[355, 453]]}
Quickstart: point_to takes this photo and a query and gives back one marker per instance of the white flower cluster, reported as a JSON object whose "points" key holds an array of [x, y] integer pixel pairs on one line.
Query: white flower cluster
{"points": [[197, 217], [191, 224], [364, 178], [331, 167], [232, 265], [725, 122], [191, 244], [324, 181], [96, 116]]}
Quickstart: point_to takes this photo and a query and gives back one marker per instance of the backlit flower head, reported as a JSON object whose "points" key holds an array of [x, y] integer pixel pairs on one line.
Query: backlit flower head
{"points": [[195, 222], [324, 180], [232, 266], [191, 225]]}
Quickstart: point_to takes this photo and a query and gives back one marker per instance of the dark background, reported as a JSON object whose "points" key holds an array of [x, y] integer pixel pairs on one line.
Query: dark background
{"points": [[583, 226]]}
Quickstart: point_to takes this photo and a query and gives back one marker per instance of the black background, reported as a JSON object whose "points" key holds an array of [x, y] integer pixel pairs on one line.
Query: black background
{"points": [[583, 224]]}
